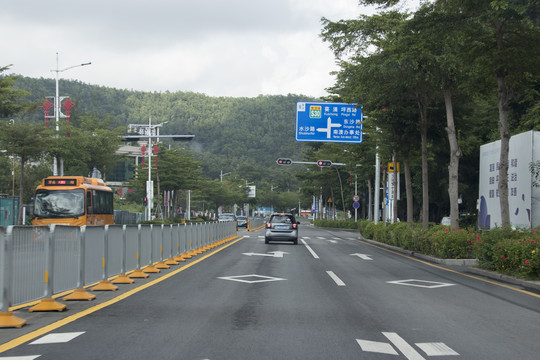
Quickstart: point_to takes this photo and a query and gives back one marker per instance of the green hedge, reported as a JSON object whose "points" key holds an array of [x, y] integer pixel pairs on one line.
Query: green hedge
{"points": [[513, 252], [340, 224]]}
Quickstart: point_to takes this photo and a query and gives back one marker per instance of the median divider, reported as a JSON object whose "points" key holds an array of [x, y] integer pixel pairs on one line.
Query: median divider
{"points": [[68, 258]]}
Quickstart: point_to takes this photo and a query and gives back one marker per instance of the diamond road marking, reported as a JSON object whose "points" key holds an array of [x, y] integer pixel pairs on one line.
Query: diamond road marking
{"points": [[260, 278], [376, 346], [57, 338], [436, 349], [420, 283]]}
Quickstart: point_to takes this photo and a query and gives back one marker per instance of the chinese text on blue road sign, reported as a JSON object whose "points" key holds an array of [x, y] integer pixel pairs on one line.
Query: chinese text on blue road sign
{"points": [[328, 122]]}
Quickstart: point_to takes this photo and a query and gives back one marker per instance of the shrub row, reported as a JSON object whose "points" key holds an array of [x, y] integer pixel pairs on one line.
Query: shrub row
{"points": [[513, 252]]}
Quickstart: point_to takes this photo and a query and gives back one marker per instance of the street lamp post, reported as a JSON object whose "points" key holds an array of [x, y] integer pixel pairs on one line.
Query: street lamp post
{"points": [[57, 100], [143, 131]]}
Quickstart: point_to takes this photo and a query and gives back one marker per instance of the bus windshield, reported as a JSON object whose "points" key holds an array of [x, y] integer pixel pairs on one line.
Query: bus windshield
{"points": [[59, 203]]}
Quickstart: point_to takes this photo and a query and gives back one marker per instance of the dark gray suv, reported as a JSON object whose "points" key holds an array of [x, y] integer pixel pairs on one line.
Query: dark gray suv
{"points": [[281, 227]]}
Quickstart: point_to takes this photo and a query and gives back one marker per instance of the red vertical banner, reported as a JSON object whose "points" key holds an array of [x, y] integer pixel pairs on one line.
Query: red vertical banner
{"points": [[47, 106], [68, 105], [156, 149]]}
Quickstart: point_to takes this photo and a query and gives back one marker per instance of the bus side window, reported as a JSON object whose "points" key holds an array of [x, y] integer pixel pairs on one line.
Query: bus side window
{"points": [[89, 202]]}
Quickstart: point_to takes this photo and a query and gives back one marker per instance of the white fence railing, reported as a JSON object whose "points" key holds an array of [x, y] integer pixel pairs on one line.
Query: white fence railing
{"points": [[37, 262]]}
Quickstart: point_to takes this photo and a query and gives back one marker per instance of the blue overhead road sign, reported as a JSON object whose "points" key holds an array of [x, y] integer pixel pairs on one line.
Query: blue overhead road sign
{"points": [[328, 122]]}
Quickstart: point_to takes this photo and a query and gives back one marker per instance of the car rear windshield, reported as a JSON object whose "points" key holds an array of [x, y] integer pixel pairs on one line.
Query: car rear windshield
{"points": [[286, 219]]}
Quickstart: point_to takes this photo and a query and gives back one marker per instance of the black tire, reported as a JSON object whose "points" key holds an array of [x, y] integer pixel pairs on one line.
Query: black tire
{"points": [[266, 241], [295, 241]]}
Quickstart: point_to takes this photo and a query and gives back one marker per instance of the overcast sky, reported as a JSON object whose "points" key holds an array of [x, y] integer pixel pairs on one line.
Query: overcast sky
{"points": [[216, 47]]}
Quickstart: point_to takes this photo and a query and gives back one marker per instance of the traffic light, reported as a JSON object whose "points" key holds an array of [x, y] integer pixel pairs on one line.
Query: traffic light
{"points": [[145, 201], [324, 163], [284, 161]]}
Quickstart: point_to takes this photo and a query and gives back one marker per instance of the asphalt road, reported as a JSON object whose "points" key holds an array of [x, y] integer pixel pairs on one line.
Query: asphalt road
{"points": [[330, 297]]}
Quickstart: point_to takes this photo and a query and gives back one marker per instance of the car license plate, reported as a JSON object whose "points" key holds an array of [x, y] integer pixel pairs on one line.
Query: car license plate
{"points": [[282, 227]]}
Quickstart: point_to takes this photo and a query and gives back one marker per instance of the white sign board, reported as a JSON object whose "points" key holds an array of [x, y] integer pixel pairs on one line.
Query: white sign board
{"points": [[251, 191], [524, 210]]}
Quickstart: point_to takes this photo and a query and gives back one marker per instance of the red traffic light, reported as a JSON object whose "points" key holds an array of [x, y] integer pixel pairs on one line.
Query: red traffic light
{"points": [[324, 163], [284, 161]]}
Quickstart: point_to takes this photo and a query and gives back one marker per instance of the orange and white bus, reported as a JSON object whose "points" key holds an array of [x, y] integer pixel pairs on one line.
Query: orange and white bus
{"points": [[73, 200]]}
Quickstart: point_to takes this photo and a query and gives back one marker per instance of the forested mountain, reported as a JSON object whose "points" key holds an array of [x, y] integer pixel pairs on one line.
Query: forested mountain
{"points": [[243, 136]]}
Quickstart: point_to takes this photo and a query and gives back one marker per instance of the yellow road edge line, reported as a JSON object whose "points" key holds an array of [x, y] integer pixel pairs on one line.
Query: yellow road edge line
{"points": [[453, 271], [48, 328]]}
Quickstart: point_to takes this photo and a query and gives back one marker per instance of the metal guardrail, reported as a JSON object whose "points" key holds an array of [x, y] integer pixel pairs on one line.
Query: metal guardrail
{"points": [[255, 222], [37, 262]]}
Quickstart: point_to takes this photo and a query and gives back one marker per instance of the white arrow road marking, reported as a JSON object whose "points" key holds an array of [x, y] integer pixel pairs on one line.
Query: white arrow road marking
{"points": [[57, 338], [271, 254], [336, 279], [362, 256]]}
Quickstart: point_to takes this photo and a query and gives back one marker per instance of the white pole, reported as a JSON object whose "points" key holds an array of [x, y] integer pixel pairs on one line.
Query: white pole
{"points": [[57, 105], [56, 116], [188, 211], [355, 193], [377, 188], [149, 194]]}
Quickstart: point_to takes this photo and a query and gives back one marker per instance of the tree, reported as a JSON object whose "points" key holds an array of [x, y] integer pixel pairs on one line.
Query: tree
{"points": [[90, 145], [507, 48], [9, 103], [392, 75], [27, 142]]}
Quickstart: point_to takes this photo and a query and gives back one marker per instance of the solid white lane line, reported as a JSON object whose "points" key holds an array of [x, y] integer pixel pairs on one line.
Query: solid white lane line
{"points": [[336, 279], [310, 249], [407, 350]]}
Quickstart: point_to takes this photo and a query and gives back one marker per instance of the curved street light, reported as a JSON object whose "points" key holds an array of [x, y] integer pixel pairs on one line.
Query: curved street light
{"points": [[57, 111]]}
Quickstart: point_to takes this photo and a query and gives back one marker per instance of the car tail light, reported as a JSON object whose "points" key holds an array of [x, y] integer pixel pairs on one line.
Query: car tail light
{"points": [[268, 225], [294, 226]]}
